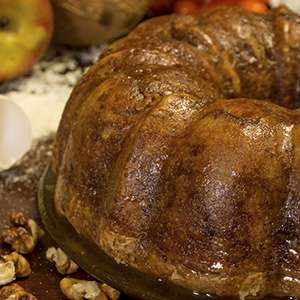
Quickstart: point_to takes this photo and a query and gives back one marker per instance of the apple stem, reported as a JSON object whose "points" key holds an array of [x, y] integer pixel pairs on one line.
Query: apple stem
{"points": [[4, 22]]}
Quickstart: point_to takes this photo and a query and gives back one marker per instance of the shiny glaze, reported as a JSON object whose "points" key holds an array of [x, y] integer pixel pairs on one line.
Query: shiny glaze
{"points": [[166, 161]]}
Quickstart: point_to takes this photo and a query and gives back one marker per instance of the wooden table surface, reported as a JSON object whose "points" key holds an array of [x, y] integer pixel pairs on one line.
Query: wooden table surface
{"points": [[18, 192]]}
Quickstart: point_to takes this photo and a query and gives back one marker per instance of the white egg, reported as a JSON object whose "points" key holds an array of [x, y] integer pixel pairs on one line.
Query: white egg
{"points": [[15, 133]]}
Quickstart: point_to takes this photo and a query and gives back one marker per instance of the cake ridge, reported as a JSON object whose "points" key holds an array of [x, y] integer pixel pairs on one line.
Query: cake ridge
{"points": [[171, 158]]}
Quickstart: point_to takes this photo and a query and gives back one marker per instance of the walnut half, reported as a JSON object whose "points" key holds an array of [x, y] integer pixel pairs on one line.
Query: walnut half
{"points": [[12, 266], [15, 292], [24, 236], [7, 272], [63, 264], [75, 289], [22, 266]]}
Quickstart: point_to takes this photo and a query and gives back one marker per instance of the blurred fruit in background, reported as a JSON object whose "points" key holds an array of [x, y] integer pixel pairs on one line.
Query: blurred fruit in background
{"points": [[92, 22], [86, 22], [186, 7], [196, 7], [161, 6], [26, 28]]}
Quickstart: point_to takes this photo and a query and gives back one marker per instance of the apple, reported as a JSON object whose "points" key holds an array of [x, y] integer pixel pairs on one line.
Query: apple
{"points": [[26, 28], [194, 7], [161, 6]]}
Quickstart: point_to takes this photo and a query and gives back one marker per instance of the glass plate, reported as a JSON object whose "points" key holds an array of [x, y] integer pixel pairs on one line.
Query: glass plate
{"points": [[101, 266]]}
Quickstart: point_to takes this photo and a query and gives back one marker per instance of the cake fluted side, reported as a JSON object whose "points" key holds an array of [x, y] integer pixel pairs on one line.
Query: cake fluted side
{"points": [[165, 160]]}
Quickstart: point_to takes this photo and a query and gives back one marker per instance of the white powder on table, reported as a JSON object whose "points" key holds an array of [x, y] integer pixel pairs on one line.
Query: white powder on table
{"points": [[43, 94]]}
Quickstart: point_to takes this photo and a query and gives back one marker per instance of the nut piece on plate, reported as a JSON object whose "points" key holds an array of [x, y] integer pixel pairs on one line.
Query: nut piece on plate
{"points": [[23, 237], [22, 266], [15, 292], [63, 264], [7, 272], [75, 289], [112, 293]]}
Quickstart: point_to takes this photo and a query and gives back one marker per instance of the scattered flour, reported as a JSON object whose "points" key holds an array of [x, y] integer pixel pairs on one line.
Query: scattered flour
{"points": [[41, 97], [43, 93]]}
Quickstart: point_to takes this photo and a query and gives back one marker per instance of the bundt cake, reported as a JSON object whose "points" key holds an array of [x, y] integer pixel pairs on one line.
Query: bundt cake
{"points": [[178, 152]]}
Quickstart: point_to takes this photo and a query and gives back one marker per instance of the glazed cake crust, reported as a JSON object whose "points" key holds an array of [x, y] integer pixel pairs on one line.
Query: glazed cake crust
{"points": [[179, 152]]}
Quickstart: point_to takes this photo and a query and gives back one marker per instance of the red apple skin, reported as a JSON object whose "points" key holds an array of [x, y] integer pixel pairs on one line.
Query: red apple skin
{"points": [[161, 6], [26, 57], [196, 7]]}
